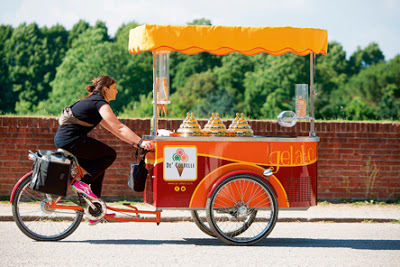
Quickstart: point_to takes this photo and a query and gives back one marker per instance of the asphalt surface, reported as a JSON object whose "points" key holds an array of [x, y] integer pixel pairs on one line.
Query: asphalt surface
{"points": [[325, 235], [183, 244]]}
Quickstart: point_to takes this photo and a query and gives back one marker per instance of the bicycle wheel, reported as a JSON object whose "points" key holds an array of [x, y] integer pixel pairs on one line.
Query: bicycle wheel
{"points": [[202, 224], [37, 221], [242, 210]]}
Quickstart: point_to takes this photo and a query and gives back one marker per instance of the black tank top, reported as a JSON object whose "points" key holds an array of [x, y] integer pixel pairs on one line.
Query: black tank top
{"points": [[85, 110]]}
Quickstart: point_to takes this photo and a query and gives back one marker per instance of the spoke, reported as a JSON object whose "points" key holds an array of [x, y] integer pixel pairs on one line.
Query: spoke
{"points": [[243, 224], [239, 191], [40, 221], [231, 194]]}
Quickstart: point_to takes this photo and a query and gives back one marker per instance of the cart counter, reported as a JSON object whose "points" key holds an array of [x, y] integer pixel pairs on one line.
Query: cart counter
{"points": [[184, 170]]}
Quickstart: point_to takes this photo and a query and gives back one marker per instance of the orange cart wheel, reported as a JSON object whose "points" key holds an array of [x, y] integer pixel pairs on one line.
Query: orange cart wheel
{"points": [[242, 210], [37, 220], [200, 219]]}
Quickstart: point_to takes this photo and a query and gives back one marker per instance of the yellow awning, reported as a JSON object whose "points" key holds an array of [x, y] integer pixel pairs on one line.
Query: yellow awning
{"points": [[221, 40]]}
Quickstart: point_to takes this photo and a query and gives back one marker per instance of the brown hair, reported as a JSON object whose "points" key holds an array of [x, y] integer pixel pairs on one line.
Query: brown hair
{"points": [[98, 85]]}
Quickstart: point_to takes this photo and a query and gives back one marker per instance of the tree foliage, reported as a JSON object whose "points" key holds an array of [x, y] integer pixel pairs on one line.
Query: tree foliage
{"points": [[45, 69]]}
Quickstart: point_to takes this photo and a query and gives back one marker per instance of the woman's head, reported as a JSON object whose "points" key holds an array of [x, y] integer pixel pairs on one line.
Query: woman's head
{"points": [[101, 85]]}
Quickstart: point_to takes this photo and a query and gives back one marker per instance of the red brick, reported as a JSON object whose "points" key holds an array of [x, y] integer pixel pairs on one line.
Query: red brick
{"points": [[343, 153]]}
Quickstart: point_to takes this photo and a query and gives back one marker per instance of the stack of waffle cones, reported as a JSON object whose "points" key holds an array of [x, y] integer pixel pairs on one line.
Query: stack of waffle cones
{"points": [[162, 107], [189, 127], [215, 127], [240, 127]]}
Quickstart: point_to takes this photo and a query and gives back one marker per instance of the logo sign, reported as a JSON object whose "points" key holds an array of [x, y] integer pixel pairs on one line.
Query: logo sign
{"points": [[180, 163]]}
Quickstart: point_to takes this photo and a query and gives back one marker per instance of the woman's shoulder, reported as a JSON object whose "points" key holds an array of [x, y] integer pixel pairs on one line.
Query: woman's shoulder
{"points": [[96, 97]]}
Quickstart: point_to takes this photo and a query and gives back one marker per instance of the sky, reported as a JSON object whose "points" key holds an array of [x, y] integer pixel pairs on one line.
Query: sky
{"points": [[352, 23]]}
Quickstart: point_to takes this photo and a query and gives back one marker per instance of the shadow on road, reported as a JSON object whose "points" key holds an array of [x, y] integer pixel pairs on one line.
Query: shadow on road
{"points": [[363, 244]]}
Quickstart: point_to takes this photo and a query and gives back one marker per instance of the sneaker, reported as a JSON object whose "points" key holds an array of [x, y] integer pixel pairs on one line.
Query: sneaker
{"points": [[83, 188], [94, 222]]}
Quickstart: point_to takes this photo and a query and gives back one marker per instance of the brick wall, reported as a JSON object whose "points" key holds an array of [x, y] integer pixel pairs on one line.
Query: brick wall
{"points": [[357, 160]]}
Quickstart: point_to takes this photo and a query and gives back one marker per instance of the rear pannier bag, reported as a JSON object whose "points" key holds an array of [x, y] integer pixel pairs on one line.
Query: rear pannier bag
{"points": [[51, 173]]}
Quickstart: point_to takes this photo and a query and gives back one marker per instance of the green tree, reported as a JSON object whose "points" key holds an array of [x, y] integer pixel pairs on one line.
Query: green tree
{"points": [[102, 25], [357, 109], [270, 88], [28, 65], [363, 58], [6, 101], [194, 94], [374, 92], [80, 27], [202, 21], [231, 75], [183, 66], [122, 34], [389, 106], [331, 75], [143, 108], [91, 55], [57, 40], [136, 77], [220, 101]]}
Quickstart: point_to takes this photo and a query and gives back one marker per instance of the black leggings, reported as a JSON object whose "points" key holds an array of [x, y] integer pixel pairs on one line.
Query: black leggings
{"points": [[95, 157]]}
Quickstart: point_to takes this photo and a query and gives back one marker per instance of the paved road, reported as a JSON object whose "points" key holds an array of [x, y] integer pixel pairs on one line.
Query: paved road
{"points": [[182, 244]]}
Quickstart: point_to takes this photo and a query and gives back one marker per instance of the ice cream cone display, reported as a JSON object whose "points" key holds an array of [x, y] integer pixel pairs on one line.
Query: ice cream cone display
{"points": [[215, 127], [233, 124], [241, 127], [209, 122], [190, 127], [185, 121]]}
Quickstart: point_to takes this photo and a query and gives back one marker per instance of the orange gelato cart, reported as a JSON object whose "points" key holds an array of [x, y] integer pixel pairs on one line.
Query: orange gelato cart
{"points": [[233, 182]]}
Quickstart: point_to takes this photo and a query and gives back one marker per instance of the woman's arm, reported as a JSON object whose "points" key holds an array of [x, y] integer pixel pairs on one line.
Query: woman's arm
{"points": [[112, 124]]}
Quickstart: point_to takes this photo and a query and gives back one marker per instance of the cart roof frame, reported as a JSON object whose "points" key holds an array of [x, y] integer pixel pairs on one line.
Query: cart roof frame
{"points": [[222, 40]]}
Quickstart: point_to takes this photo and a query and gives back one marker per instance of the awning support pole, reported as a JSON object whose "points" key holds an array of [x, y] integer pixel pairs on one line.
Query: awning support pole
{"points": [[312, 58], [155, 114]]}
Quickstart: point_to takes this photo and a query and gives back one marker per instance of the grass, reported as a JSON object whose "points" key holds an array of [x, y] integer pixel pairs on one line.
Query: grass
{"points": [[368, 221], [4, 199]]}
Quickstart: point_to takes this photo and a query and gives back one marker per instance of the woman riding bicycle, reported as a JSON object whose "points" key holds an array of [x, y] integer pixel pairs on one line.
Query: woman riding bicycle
{"points": [[94, 156]]}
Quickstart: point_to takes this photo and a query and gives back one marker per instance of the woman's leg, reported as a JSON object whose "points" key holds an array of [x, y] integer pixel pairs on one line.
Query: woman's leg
{"points": [[97, 184], [95, 157]]}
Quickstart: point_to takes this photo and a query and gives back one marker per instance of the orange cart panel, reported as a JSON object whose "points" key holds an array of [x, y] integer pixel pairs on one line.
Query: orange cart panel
{"points": [[184, 170]]}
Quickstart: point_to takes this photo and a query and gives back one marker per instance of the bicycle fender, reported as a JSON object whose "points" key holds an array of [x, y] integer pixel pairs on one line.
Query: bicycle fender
{"points": [[239, 172], [17, 184]]}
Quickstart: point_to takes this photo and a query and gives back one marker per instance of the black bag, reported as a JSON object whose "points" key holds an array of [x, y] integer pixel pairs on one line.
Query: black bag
{"points": [[51, 173], [138, 173]]}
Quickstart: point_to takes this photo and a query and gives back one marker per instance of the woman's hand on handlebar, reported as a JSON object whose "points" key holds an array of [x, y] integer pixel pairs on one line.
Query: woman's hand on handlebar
{"points": [[148, 145]]}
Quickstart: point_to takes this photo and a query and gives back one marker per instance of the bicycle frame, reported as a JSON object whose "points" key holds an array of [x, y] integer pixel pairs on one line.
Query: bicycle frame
{"points": [[133, 209]]}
